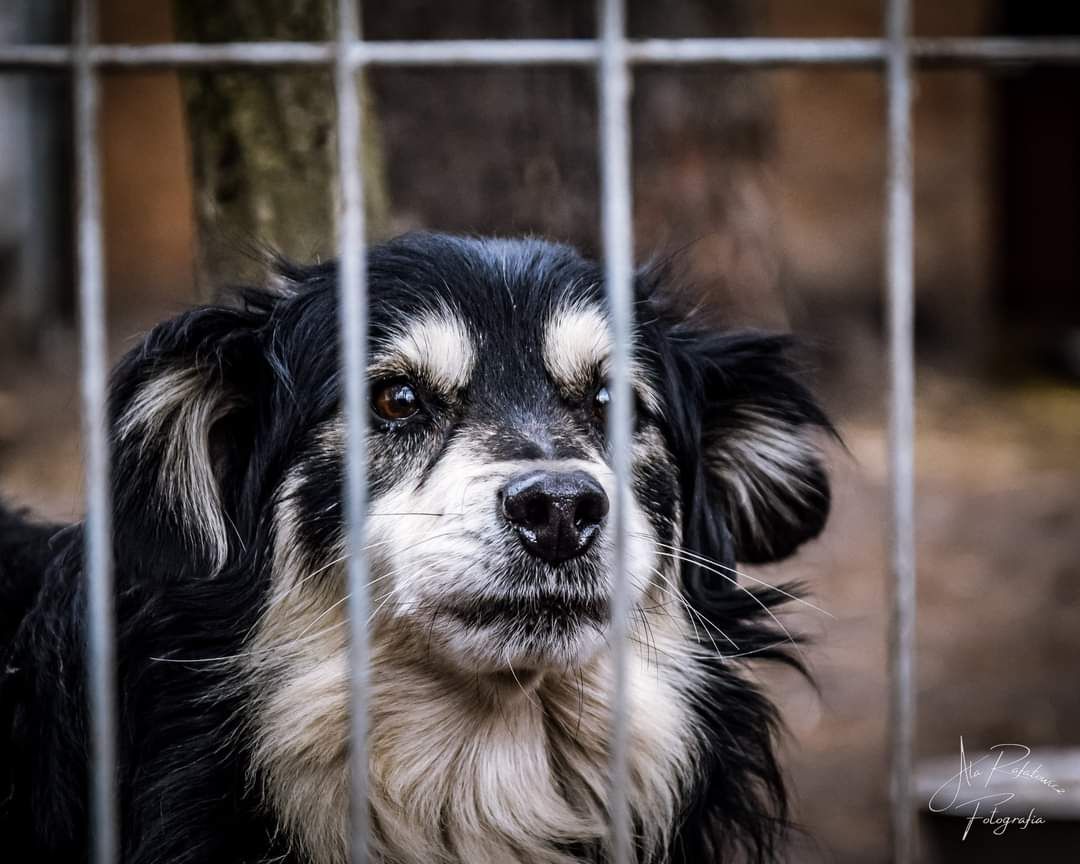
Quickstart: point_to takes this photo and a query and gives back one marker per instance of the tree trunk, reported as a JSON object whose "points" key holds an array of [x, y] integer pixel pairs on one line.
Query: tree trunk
{"points": [[263, 143]]}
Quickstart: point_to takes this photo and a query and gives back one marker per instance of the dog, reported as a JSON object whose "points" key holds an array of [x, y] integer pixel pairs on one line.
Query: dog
{"points": [[489, 546]]}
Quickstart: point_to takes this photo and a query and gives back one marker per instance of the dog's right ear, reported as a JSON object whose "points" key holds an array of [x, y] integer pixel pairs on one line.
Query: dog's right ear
{"points": [[184, 419]]}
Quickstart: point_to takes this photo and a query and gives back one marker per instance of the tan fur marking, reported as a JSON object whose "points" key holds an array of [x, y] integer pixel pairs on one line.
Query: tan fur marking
{"points": [[577, 343], [437, 346], [175, 412]]}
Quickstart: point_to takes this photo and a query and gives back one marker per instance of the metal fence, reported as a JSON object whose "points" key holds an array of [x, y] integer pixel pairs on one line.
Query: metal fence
{"points": [[613, 55]]}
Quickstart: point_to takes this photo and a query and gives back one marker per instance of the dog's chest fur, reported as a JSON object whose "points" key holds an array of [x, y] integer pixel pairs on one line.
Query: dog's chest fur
{"points": [[458, 774]]}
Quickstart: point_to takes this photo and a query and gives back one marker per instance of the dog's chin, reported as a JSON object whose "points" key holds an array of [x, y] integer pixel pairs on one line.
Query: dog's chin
{"points": [[518, 641]]}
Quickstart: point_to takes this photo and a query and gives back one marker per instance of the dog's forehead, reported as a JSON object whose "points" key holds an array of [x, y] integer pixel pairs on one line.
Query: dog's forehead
{"points": [[498, 329]]}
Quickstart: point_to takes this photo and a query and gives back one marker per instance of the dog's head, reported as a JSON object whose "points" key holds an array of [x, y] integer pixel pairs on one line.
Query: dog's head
{"points": [[489, 470], [489, 539]]}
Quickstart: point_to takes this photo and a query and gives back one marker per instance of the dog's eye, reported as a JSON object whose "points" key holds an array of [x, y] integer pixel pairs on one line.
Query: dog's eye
{"points": [[600, 402], [395, 401]]}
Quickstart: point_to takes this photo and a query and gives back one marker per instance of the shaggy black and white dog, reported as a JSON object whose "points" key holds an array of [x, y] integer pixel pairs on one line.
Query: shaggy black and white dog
{"points": [[490, 485]]}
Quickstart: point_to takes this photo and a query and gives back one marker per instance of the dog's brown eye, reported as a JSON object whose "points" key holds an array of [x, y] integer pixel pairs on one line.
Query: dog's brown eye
{"points": [[396, 401]]}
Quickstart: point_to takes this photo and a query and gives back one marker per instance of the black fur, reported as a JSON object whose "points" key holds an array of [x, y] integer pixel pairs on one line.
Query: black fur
{"points": [[269, 367]]}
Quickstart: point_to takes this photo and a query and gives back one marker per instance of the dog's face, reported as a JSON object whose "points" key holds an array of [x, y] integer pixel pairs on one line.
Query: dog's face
{"points": [[490, 483]]}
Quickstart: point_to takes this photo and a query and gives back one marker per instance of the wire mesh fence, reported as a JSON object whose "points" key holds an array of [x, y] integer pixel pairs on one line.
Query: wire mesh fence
{"points": [[614, 56]]}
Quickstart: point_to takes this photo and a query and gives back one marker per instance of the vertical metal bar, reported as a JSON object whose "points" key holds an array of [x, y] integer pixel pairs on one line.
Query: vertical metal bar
{"points": [[352, 287], [900, 283], [97, 557], [616, 213]]}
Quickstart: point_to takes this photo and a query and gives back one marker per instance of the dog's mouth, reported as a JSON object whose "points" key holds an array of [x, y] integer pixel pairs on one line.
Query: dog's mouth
{"points": [[509, 611], [535, 632], [552, 610]]}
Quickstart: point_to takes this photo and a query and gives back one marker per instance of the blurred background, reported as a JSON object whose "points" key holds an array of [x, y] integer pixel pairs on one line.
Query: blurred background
{"points": [[767, 185]]}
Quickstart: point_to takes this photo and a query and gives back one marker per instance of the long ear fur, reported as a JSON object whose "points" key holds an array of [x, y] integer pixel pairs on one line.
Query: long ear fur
{"points": [[760, 443], [745, 430], [183, 424]]}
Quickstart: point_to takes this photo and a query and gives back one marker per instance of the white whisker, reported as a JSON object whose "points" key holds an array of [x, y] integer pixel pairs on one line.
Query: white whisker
{"points": [[794, 642], [702, 559]]}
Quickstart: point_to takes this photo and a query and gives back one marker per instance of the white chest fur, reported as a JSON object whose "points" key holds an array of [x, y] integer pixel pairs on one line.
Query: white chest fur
{"points": [[461, 773]]}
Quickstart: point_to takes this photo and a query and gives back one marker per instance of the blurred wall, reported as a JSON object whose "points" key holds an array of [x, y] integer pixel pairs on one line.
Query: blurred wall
{"points": [[149, 244], [772, 181], [830, 171]]}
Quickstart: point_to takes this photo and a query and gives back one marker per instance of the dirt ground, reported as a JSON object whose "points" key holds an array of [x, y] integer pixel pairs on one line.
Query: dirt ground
{"points": [[999, 580]]}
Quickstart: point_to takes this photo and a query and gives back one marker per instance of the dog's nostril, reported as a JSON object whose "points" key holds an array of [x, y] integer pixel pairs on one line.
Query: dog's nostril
{"points": [[557, 515], [537, 511], [591, 509]]}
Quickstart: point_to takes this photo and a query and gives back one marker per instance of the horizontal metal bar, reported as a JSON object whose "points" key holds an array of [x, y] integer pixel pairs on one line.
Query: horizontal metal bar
{"points": [[979, 51], [518, 52], [972, 51], [473, 52], [756, 52], [173, 55], [429, 53]]}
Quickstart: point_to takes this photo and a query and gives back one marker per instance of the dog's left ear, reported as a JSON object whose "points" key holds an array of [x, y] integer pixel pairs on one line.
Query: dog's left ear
{"points": [[760, 427]]}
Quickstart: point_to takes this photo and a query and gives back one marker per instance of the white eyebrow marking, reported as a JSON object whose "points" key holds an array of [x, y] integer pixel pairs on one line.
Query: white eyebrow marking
{"points": [[437, 345], [577, 343]]}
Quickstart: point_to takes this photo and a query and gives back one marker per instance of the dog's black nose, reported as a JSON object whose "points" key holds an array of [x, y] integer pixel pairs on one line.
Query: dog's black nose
{"points": [[556, 514]]}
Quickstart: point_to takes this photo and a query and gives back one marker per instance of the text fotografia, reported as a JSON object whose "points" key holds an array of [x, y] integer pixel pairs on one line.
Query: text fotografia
{"points": [[975, 790]]}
